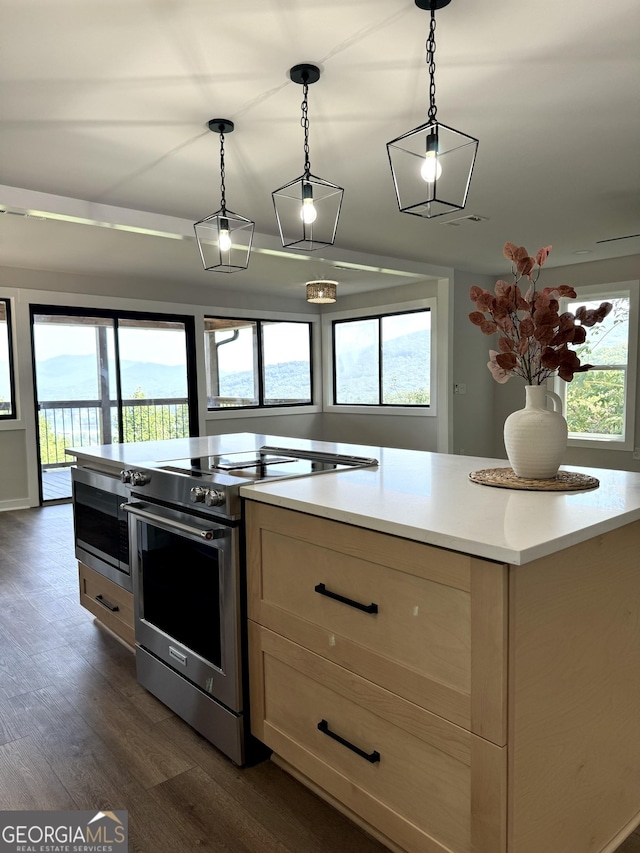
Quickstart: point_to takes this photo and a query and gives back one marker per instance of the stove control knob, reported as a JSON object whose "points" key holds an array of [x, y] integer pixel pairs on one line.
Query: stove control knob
{"points": [[196, 495], [125, 476], [214, 498], [139, 478]]}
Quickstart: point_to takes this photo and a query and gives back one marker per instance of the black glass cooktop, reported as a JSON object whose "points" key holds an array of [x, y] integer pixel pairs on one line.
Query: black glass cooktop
{"points": [[251, 465]]}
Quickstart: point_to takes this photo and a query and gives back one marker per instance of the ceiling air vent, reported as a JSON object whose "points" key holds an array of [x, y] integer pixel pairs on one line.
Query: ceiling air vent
{"points": [[460, 220]]}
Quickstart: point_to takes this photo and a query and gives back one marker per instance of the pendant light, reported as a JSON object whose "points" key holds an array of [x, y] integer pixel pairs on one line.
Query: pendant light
{"points": [[224, 238], [321, 292], [432, 164], [308, 208]]}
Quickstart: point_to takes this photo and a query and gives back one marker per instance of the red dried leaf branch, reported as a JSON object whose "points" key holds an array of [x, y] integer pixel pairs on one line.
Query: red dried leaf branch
{"points": [[533, 337]]}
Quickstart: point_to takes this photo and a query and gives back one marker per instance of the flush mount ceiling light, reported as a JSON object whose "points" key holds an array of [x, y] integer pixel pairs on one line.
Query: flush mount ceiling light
{"points": [[224, 238], [308, 208], [432, 164], [321, 292]]}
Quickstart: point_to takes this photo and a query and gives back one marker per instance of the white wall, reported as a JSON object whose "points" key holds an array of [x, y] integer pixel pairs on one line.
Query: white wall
{"points": [[473, 411]]}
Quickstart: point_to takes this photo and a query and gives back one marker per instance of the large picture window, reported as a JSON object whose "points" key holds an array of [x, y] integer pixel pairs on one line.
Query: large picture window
{"points": [[599, 404], [383, 360], [257, 363], [7, 388]]}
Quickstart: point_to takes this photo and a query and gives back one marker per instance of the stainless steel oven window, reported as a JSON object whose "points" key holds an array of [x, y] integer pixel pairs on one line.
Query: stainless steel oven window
{"points": [[182, 590], [100, 524], [186, 591]]}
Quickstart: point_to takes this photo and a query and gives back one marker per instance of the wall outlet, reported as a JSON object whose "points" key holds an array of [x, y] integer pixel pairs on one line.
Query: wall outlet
{"points": [[459, 388], [636, 452]]}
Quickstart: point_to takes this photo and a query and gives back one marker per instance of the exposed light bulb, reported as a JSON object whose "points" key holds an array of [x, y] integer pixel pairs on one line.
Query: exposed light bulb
{"points": [[431, 168], [308, 213], [224, 238]]}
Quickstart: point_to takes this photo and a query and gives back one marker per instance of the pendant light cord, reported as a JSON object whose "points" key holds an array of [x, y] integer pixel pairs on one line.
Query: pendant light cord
{"points": [[431, 63], [223, 197], [304, 121]]}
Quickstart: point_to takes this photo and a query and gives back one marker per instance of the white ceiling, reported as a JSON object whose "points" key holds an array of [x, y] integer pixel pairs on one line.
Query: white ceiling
{"points": [[107, 103]]}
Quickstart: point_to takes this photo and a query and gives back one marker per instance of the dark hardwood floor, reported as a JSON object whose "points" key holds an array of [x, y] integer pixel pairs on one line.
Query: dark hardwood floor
{"points": [[78, 732]]}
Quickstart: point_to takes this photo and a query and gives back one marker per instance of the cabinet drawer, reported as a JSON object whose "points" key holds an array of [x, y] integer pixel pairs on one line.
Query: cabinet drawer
{"points": [[399, 613], [110, 603], [415, 777]]}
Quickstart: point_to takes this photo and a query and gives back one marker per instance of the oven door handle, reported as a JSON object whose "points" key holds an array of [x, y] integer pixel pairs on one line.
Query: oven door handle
{"points": [[208, 533]]}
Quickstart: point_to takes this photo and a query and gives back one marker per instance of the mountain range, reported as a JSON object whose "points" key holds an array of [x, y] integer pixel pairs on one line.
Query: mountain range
{"points": [[75, 377]]}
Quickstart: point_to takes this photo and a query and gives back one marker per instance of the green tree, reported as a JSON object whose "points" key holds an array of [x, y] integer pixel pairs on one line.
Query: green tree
{"points": [[416, 397], [52, 445], [595, 402], [152, 423]]}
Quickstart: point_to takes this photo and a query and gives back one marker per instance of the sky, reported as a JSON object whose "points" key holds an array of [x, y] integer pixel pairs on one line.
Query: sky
{"points": [[159, 346]]}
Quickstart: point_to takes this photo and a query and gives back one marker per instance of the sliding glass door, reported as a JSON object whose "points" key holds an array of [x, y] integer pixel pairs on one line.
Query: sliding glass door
{"points": [[103, 378]]}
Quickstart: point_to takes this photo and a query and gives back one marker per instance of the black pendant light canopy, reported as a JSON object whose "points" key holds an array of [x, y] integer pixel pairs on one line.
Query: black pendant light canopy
{"points": [[432, 164], [307, 208], [224, 238]]}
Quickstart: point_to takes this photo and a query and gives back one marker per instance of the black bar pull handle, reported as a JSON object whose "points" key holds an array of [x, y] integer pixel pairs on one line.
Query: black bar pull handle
{"points": [[366, 608], [112, 607], [371, 757]]}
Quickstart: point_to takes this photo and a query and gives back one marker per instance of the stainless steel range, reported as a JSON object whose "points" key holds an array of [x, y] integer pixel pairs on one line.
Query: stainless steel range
{"points": [[185, 530]]}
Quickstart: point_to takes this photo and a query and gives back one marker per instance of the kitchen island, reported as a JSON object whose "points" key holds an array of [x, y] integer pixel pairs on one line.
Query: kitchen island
{"points": [[454, 666]]}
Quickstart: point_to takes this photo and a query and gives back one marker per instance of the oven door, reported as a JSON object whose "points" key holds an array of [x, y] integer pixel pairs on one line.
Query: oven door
{"points": [[187, 598], [100, 525]]}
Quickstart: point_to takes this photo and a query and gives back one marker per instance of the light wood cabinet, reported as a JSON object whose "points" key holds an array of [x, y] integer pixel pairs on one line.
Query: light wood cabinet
{"points": [[110, 603], [400, 649], [503, 701]]}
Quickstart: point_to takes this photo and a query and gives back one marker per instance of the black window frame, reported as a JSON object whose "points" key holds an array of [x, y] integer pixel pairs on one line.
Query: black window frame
{"points": [[11, 415], [379, 318], [187, 320], [259, 355]]}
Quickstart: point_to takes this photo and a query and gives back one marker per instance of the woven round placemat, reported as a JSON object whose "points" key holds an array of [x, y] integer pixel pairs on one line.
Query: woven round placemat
{"points": [[505, 478]]}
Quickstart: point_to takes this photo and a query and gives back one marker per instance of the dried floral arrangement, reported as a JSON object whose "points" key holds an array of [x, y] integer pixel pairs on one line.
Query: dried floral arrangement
{"points": [[533, 337]]}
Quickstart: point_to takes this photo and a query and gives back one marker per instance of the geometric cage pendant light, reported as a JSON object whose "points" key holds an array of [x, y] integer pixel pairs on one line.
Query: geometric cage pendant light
{"points": [[224, 238], [432, 165], [308, 208]]}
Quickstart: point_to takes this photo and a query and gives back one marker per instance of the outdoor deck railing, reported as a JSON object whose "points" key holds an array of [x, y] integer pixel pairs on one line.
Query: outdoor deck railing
{"points": [[83, 423]]}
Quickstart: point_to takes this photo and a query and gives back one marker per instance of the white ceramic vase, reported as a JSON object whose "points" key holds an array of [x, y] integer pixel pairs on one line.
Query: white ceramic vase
{"points": [[535, 438]]}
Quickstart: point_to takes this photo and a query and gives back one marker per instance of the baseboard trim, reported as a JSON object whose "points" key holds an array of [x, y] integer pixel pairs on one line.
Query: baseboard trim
{"points": [[615, 842], [8, 506]]}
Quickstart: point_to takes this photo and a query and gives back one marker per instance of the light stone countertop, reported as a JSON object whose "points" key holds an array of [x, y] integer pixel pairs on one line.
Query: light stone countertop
{"points": [[151, 452], [418, 495], [428, 497]]}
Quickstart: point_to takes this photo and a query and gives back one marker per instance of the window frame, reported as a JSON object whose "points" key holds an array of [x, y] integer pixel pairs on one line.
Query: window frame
{"points": [[13, 414], [604, 293], [378, 312], [258, 357]]}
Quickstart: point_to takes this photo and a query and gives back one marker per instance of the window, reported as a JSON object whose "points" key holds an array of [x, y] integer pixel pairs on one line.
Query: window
{"points": [[383, 360], [599, 404], [7, 390], [104, 378], [256, 363]]}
